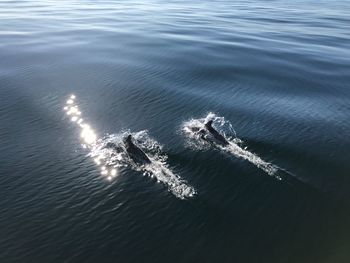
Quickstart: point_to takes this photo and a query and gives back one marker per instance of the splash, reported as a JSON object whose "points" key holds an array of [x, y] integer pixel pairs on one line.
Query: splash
{"points": [[110, 154], [200, 139]]}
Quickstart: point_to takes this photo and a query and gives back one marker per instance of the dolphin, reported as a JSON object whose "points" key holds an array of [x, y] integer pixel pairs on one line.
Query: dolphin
{"points": [[217, 136], [135, 152]]}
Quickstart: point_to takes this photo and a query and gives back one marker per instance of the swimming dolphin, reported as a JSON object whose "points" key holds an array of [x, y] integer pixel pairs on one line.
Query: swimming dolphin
{"points": [[135, 152], [217, 136]]}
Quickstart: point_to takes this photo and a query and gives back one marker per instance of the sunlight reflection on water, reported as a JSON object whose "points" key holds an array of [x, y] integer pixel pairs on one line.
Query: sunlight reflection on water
{"points": [[88, 136]]}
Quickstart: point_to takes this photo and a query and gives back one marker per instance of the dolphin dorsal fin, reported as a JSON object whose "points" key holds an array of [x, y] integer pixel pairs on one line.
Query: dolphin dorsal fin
{"points": [[209, 124], [128, 139]]}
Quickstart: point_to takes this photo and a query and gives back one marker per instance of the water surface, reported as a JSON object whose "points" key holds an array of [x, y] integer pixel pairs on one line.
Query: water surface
{"points": [[278, 71]]}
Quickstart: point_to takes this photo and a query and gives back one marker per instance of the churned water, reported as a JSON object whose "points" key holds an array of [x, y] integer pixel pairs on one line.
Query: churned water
{"points": [[76, 77]]}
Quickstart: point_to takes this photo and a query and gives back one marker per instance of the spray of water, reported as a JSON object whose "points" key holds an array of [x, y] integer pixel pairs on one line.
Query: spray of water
{"points": [[109, 153], [199, 138]]}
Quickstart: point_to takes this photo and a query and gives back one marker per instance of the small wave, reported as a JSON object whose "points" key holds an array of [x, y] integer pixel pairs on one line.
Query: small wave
{"points": [[194, 128], [110, 154]]}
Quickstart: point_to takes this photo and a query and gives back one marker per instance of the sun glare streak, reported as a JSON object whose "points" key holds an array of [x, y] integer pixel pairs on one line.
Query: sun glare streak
{"points": [[88, 136], [113, 172]]}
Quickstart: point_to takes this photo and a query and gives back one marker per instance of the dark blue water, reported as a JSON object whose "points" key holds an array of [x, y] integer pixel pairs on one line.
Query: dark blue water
{"points": [[278, 71]]}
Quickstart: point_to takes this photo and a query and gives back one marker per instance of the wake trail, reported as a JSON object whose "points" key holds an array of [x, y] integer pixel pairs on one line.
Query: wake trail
{"points": [[110, 154], [175, 184], [237, 151]]}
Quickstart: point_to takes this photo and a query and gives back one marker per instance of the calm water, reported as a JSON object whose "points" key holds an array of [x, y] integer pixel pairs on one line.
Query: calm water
{"points": [[279, 72]]}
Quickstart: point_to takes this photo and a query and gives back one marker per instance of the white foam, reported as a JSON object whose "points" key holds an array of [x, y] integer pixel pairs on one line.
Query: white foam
{"points": [[175, 184], [251, 157]]}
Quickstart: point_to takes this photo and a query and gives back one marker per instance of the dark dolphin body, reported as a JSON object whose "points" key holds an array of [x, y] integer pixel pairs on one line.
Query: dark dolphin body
{"points": [[217, 136], [135, 152]]}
